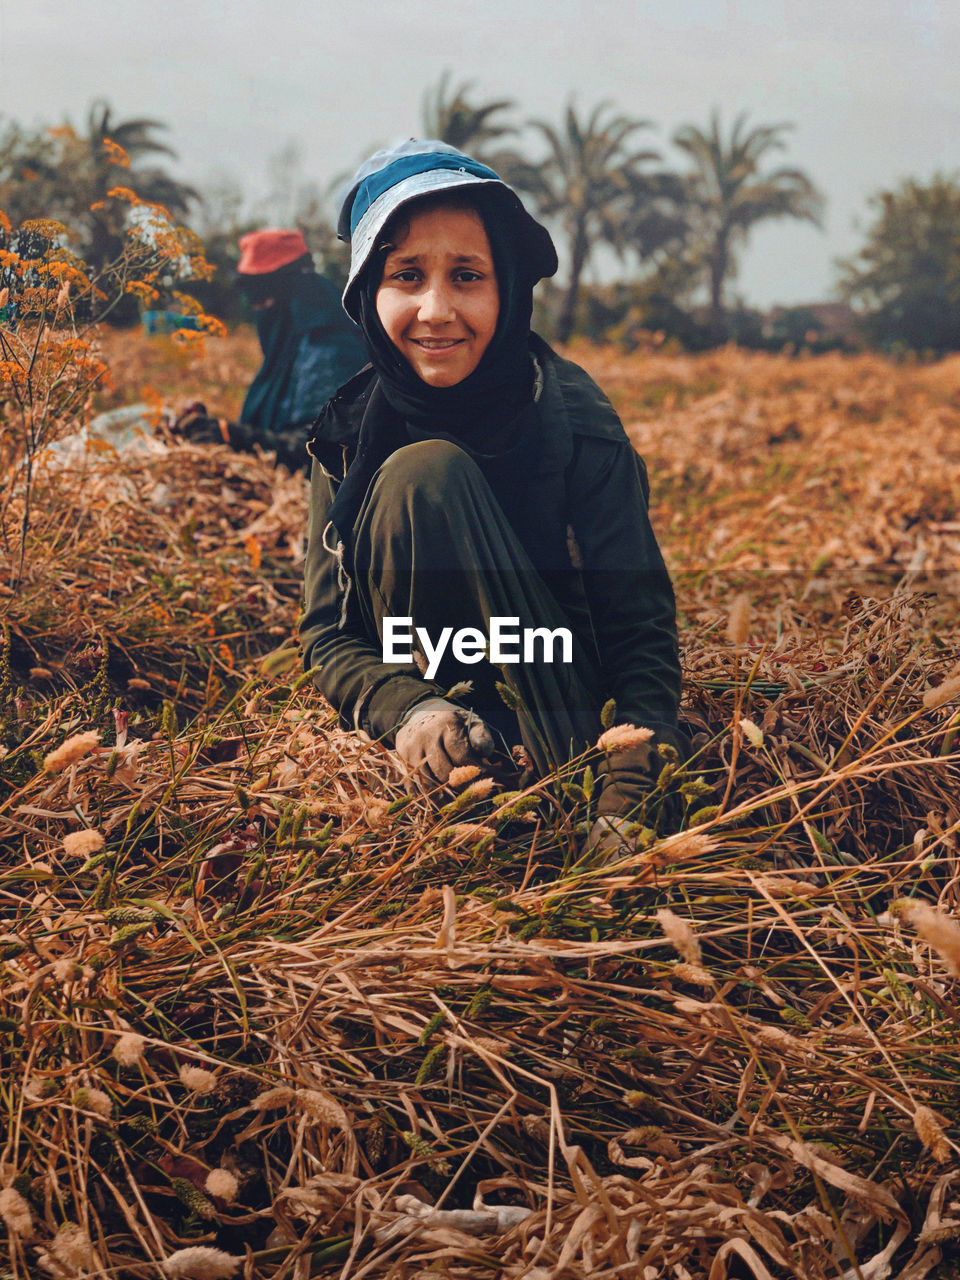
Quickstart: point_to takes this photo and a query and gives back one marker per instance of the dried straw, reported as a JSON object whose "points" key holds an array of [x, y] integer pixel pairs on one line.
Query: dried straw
{"points": [[385, 1011]]}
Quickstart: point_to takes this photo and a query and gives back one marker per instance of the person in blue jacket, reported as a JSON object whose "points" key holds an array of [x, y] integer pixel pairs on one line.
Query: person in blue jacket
{"points": [[310, 347]]}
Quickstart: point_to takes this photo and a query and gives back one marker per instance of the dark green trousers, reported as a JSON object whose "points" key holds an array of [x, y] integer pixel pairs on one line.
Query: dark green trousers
{"points": [[436, 547]]}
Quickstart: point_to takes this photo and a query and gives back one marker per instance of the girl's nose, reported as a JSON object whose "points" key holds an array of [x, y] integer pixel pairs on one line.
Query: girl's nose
{"points": [[436, 305]]}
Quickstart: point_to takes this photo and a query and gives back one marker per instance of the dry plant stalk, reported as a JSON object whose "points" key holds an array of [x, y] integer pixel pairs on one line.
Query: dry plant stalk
{"points": [[282, 992]]}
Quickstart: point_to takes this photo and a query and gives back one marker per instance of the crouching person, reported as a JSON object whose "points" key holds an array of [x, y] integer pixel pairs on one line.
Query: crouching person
{"points": [[469, 482], [309, 348]]}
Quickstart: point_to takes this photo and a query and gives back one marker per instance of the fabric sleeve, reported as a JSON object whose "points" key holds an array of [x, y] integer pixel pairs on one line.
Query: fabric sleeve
{"points": [[369, 693], [627, 585]]}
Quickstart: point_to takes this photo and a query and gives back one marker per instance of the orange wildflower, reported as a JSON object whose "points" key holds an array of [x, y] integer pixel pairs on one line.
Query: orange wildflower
{"points": [[116, 154]]}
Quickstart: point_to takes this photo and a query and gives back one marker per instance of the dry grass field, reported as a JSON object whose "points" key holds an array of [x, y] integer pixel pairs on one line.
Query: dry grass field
{"points": [[263, 1014]]}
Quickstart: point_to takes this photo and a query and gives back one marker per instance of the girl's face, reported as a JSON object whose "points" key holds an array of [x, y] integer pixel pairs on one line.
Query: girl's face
{"points": [[438, 299]]}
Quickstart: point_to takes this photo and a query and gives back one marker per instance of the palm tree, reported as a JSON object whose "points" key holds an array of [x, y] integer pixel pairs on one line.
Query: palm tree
{"points": [[593, 183], [132, 135], [60, 173], [728, 195], [448, 115], [151, 183]]}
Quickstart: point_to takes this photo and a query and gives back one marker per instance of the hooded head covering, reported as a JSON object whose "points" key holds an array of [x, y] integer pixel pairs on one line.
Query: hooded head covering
{"points": [[392, 178], [522, 254]]}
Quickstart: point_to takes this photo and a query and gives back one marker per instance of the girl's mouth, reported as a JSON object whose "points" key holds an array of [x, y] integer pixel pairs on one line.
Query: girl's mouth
{"points": [[437, 344]]}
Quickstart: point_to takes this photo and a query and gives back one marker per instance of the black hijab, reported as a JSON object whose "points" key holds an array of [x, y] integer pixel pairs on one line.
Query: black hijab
{"points": [[487, 413]]}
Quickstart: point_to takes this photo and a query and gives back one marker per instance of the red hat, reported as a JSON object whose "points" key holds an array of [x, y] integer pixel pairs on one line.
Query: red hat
{"points": [[268, 250]]}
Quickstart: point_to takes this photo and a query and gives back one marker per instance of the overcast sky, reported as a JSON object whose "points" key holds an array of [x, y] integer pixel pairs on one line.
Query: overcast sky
{"points": [[872, 86]]}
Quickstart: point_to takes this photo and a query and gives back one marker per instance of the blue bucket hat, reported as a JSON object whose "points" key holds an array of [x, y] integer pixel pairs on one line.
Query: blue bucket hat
{"points": [[392, 178]]}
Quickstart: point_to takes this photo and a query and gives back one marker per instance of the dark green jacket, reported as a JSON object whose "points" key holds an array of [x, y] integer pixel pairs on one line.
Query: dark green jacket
{"points": [[590, 484]]}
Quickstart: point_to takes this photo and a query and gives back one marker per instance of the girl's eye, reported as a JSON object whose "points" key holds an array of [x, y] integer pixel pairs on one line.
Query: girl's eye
{"points": [[406, 276], [467, 276]]}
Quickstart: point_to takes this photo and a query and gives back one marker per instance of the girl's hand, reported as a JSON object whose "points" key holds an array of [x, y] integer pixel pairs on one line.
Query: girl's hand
{"points": [[437, 736], [608, 841]]}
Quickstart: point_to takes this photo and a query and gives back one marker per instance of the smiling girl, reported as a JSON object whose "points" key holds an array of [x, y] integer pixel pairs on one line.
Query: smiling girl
{"points": [[438, 300], [470, 473]]}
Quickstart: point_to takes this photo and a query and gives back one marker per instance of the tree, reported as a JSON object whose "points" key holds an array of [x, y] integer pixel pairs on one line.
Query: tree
{"points": [[448, 115], [58, 173], [595, 185], [908, 273], [728, 195], [135, 141]]}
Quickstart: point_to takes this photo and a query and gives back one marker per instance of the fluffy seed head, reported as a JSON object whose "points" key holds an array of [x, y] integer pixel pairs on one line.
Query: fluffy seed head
{"points": [[692, 973], [15, 1212], [39, 1088], [637, 1099], [222, 1184], [777, 1038], [281, 1096], [680, 933], [738, 620], [622, 737], [375, 811], [752, 732], [71, 1246], [67, 970], [197, 1078], [469, 832], [128, 1049], [82, 844], [947, 691], [938, 930], [683, 847], [463, 773], [322, 1107], [71, 751], [930, 1133], [487, 1044], [94, 1100], [201, 1263], [480, 788]]}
